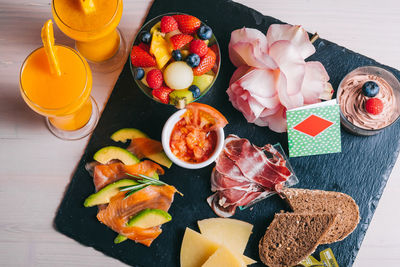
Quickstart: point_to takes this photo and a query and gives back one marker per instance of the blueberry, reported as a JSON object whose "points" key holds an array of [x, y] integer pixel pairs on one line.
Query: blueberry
{"points": [[193, 60], [370, 89], [204, 32], [177, 55], [145, 37], [195, 91], [138, 73]]}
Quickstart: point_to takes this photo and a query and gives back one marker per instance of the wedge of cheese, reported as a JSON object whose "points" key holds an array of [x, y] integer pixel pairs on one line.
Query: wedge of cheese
{"points": [[234, 234], [227, 236], [247, 260], [196, 249], [224, 257]]}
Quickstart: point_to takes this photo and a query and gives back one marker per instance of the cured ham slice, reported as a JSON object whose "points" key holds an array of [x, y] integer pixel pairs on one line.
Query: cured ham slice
{"points": [[220, 181], [104, 174], [228, 168], [120, 209], [244, 174], [218, 209], [253, 163]]}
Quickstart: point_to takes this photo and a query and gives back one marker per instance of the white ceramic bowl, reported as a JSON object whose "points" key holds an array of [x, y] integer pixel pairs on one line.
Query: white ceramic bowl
{"points": [[166, 136]]}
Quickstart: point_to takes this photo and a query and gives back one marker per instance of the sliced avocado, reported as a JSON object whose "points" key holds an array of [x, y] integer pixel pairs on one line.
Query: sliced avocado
{"points": [[108, 153], [126, 134], [105, 194], [161, 158], [145, 219], [203, 81], [119, 239], [178, 95], [149, 218], [155, 176]]}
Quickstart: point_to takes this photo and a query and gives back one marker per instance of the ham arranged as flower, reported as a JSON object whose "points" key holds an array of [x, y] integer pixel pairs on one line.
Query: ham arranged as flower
{"points": [[244, 174], [272, 75]]}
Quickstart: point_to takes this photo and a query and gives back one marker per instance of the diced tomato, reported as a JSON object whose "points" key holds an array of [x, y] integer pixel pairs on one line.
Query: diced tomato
{"points": [[192, 144], [193, 138]]}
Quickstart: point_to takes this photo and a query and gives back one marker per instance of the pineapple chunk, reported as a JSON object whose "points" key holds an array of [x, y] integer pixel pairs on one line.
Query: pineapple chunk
{"points": [[161, 50], [156, 28]]}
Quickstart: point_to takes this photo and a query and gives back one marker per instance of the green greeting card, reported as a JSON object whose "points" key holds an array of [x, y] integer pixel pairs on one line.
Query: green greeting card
{"points": [[314, 129]]}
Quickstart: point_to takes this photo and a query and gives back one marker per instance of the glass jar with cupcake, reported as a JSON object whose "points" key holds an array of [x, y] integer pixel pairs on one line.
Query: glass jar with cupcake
{"points": [[369, 99]]}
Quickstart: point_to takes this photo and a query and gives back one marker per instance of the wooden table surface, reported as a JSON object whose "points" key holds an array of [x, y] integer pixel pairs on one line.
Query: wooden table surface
{"points": [[36, 167]]}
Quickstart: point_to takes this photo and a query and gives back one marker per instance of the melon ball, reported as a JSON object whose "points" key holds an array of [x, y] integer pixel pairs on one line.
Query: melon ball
{"points": [[178, 75]]}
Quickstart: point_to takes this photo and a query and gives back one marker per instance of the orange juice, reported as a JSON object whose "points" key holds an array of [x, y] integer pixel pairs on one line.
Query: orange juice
{"points": [[63, 99], [95, 33]]}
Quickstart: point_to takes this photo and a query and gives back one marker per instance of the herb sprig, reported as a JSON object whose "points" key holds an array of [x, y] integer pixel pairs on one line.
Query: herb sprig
{"points": [[143, 182]]}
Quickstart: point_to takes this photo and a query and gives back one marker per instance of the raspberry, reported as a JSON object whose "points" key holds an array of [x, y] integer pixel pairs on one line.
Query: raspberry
{"points": [[198, 47], [168, 24], [374, 106]]}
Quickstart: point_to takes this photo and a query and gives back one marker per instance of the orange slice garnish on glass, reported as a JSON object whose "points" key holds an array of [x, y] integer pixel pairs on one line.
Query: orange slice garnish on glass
{"points": [[87, 6], [48, 44]]}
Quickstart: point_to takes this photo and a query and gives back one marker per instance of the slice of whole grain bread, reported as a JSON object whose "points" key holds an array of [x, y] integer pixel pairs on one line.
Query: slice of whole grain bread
{"points": [[291, 237], [305, 200]]}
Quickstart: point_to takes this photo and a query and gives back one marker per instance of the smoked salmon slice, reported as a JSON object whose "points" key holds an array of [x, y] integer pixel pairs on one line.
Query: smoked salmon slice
{"points": [[120, 209], [145, 167], [109, 173], [144, 147]]}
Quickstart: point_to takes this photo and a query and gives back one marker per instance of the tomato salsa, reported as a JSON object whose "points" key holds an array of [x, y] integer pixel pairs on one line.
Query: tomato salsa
{"points": [[194, 136], [192, 144]]}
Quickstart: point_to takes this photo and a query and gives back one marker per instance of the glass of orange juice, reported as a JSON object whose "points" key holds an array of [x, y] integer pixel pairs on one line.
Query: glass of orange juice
{"points": [[93, 26], [63, 98]]}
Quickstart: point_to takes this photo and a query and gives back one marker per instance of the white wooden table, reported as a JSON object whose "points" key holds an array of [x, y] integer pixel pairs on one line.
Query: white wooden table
{"points": [[36, 167]]}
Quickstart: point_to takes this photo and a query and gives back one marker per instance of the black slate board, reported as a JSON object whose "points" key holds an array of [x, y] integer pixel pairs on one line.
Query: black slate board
{"points": [[361, 170]]}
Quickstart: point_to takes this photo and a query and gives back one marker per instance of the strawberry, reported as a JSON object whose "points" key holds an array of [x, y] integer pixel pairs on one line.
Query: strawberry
{"points": [[206, 63], [374, 106], [162, 94], [168, 24], [180, 40], [145, 47], [187, 24], [154, 78], [141, 58], [198, 47], [215, 49]]}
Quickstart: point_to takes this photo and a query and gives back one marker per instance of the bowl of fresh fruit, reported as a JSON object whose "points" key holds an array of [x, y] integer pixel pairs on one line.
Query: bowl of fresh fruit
{"points": [[175, 59]]}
